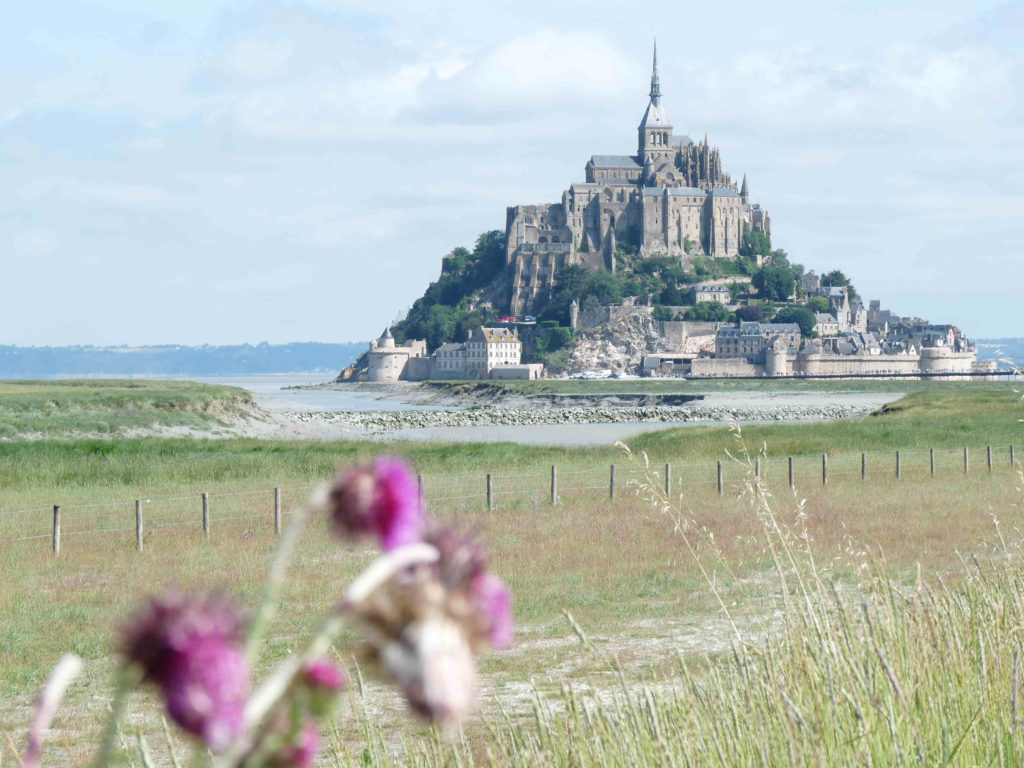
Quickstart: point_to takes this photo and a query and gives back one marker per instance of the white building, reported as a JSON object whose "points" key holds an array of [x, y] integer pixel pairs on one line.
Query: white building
{"points": [[706, 292]]}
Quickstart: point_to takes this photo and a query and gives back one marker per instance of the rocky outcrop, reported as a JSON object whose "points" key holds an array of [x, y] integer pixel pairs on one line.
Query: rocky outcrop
{"points": [[522, 416], [616, 346]]}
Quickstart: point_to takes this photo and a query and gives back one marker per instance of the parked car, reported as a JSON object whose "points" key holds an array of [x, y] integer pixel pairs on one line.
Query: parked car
{"points": [[529, 320]]}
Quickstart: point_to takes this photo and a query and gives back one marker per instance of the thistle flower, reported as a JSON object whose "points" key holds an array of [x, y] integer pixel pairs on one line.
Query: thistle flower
{"points": [[301, 753], [322, 681], [493, 602], [381, 499], [475, 597], [191, 648]]}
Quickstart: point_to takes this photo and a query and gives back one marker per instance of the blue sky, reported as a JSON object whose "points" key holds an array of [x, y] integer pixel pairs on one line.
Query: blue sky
{"points": [[203, 172]]}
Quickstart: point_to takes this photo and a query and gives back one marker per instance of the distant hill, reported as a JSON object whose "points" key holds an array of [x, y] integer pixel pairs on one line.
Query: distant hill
{"points": [[172, 359], [1001, 349]]}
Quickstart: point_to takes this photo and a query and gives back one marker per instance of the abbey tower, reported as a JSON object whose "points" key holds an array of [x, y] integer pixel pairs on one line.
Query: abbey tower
{"points": [[670, 198]]}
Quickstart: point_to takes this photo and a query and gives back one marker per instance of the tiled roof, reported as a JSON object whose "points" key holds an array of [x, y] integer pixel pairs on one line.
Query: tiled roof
{"points": [[615, 161]]}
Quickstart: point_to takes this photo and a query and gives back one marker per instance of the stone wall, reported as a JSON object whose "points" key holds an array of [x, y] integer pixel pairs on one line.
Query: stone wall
{"points": [[945, 360], [728, 366], [856, 365]]}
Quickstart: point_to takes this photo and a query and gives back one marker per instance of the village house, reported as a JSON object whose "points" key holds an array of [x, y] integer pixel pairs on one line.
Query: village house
{"points": [[706, 292]]}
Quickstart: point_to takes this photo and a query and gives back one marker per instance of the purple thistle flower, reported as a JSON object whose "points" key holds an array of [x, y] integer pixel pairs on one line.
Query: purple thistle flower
{"points": [[492, 600], [396, 505], [323, 681], [324, 675], [301, 753], [381, 499], [190, 647]]}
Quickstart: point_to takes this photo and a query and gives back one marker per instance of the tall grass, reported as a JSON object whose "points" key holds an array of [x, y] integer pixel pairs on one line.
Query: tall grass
{"points": [[874, 672]]}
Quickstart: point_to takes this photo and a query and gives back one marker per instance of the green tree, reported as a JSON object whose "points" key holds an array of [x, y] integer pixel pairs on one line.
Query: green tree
{"points": [[708, 312], [774, 283], [817, 304], [752, 313], [837, 278], [662, 313], [799, 315], [754, 244]]}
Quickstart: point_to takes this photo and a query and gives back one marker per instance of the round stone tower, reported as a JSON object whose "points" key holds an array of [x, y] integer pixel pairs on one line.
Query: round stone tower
{"points": [[776, 362]]}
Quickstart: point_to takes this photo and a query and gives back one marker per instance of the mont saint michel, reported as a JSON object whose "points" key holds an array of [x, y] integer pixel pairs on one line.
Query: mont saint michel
{"points": [[671, 198], [658, 263]]}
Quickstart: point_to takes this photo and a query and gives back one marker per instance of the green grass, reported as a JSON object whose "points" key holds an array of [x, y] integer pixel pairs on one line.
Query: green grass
{"points": [[634, 587], [42, 472], [63, 409]]}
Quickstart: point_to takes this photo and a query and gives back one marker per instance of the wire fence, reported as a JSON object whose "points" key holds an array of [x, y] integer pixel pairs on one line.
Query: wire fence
{"points": [[265, 509]]}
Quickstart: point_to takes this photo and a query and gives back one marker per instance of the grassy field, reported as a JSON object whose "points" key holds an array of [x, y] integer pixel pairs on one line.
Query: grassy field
{"points": [[663, 591], [66, 409]]}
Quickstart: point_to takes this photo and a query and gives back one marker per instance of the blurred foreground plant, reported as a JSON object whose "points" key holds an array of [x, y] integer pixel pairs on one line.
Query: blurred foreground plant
{"points": [[428, 606]]}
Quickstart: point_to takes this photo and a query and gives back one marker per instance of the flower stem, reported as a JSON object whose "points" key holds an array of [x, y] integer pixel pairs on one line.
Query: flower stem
{"points": [[272, 589], [126, 678]]}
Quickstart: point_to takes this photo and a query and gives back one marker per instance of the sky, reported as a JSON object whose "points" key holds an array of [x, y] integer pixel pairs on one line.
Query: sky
{"points": [[201, 172]]}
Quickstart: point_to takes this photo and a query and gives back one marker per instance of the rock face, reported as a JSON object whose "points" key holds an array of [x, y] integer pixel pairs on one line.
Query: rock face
{"points": [[617, 346]]}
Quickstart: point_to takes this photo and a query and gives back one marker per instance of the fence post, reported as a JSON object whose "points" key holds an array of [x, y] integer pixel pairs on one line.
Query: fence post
{"points": [[967, 462], [898, 467], [668, 479], [824, 469], [1013, 461], [206, 514], [931, 459], [277, 511], [757, 467], [56, 529], [863, 466], [138, 523], [990, 458], [611, 484], [554, 484], [720, 485], [490, 493]]}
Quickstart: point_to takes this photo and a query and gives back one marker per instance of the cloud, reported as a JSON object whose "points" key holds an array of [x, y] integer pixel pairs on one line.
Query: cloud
{"points": [[906, 86], [545, 79], [543, 70], [257, 58]]}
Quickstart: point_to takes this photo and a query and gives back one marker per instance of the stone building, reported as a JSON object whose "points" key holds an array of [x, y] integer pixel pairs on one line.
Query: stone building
{"points": [[389, 362], [494, 353], [717, 293], [671, 198], [749, 340]]}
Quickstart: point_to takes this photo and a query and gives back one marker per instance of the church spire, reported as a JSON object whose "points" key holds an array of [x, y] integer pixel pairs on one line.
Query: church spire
{"points": [[655, 82]]}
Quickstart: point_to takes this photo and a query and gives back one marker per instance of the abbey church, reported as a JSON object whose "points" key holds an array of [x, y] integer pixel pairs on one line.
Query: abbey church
{"points": [[670, 198]]}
